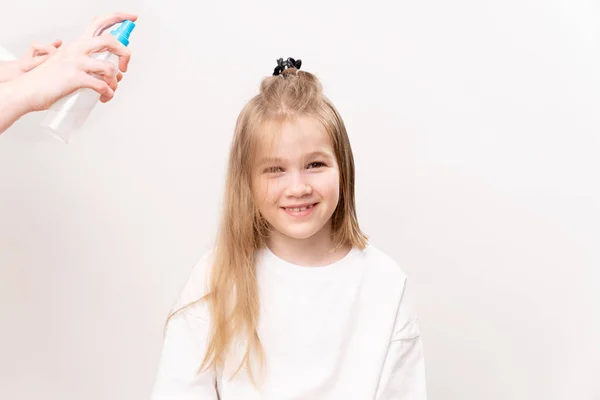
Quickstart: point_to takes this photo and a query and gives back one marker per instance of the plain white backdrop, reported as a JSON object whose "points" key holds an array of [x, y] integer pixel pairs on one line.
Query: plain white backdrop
{"points": [[475, 127]]}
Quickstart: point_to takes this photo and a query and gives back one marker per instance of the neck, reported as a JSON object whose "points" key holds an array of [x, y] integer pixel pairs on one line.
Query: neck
{"points": [[315, 251]]}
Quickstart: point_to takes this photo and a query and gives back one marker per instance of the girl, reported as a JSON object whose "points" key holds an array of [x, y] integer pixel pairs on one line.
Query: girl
{"points": [[292, 303]]}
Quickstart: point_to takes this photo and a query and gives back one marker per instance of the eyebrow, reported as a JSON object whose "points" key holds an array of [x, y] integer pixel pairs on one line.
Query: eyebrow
{"points": [[319, 154], [277, 160]]}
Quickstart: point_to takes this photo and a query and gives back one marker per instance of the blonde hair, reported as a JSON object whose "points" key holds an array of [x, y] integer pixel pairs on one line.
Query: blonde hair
{"points": [[233, 291]]}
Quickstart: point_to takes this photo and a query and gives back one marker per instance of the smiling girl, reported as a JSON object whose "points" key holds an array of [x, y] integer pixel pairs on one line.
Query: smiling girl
{"points": [[292, 302]]}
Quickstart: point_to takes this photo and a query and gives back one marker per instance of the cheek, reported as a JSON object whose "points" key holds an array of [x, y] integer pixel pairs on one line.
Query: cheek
{"points": [[266, 193], [328, 185]]}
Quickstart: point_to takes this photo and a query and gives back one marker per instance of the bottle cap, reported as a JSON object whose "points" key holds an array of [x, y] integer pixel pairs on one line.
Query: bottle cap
{"points": [[123, 31]]}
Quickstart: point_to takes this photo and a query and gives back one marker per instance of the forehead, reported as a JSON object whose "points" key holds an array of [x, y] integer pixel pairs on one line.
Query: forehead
{"points": [[293, 138]]}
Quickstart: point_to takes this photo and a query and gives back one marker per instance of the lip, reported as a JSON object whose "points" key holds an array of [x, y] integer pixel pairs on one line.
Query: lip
{"points": [[302, 213], [299, 205]]}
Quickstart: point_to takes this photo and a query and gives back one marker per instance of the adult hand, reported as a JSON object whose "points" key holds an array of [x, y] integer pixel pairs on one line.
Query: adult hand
{"points": [[70, 67], [36, 55]]}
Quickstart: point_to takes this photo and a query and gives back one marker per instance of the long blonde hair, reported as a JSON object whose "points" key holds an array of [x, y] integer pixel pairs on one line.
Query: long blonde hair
{"points": [[233, 291]]}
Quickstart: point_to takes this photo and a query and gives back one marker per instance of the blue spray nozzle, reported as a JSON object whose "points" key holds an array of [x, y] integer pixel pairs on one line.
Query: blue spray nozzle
{"points": [[123, 31]]}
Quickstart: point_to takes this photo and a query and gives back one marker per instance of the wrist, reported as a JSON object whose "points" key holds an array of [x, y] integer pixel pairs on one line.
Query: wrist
{"points": [[10, 70], [15, 98]]}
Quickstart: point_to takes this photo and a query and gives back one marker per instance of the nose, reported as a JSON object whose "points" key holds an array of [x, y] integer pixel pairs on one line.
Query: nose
{"points": [[298, 187]]}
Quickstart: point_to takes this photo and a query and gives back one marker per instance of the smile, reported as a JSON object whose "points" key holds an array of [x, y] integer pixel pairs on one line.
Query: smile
{"points": [[300, 210]]}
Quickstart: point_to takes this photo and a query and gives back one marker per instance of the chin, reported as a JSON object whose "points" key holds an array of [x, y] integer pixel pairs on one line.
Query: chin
{"points": [[299, 232]]}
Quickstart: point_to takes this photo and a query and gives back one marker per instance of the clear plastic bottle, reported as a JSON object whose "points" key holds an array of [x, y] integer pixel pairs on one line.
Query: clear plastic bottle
{"points": [[70, 113]]}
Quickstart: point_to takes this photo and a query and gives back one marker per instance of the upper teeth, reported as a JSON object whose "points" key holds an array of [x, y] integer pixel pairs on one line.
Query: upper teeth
{"points": [[299, 209]]}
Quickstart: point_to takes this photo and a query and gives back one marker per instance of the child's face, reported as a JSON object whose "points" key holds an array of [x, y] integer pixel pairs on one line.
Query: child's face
{"points": [[296, 180]]}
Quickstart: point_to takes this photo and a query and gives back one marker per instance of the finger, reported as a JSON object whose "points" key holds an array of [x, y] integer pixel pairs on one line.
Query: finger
{"points": [[119, 76], [31, 50], [57, 43], [98, 67], [105, 98], [97, 85], [110, 80], [109, 43], [43, 49], [113, 85], [100, 24]]}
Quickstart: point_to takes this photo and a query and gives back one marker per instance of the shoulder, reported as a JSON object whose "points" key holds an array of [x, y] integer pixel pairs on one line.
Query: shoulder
{"points": [[197, 285], [379, 263], [188, 320], [389, 282], [382, 277]]}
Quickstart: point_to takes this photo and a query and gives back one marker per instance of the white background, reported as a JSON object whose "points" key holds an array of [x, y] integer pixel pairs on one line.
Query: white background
{"points": [[475, 127]]}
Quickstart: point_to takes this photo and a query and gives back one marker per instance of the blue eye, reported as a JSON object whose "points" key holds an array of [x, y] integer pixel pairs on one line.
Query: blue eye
{"points": [[316, 164]]}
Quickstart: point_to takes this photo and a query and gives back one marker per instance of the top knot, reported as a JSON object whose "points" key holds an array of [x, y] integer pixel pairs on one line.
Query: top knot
{"points": [[289, 63]]}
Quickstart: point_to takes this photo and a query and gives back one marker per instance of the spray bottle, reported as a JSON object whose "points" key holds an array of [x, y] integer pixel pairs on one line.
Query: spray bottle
{"points": [[70, 113]]}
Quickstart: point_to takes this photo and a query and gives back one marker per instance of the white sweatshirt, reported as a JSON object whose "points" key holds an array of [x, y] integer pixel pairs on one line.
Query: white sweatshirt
{"points": [[343, 331]]}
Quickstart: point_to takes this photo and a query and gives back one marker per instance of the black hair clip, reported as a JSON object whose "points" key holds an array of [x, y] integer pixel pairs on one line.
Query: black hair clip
{"points": [[289, 63]]}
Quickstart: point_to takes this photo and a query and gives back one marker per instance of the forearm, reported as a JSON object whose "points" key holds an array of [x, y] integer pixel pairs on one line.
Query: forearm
{"points": [[13, 103], [9, 70]]}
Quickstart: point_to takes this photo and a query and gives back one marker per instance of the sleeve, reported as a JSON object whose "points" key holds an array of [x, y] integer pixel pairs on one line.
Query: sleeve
{"points": [[184, 346], [403, 373]]}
